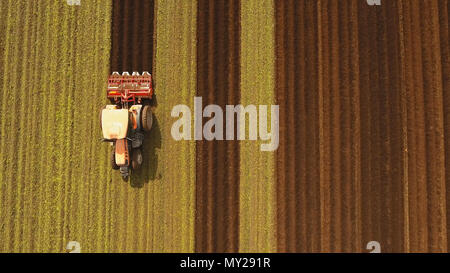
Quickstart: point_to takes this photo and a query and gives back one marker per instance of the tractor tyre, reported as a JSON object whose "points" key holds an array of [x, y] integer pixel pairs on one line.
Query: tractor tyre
{"points": [[113, 161], [147, 118], [136, 160], [124, 172]]}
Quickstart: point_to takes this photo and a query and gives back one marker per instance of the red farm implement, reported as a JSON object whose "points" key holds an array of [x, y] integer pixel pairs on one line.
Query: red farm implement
{"points": [[126, 88]]}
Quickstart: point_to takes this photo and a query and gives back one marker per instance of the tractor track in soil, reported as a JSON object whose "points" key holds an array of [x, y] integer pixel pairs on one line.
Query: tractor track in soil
{"points": [[217, 166]]}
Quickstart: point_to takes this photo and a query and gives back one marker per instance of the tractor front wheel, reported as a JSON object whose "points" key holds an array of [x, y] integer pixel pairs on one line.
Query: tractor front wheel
{"points": [[113, 161], [147, 118]]}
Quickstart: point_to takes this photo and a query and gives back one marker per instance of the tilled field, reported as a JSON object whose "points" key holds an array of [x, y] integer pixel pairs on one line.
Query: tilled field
{"points": [[217, 165], [364, 158], [364, 100]]}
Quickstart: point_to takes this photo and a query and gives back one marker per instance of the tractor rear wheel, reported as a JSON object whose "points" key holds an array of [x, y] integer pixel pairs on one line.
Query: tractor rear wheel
{"points": [[147, 118], [113, 161], [136, 160]]}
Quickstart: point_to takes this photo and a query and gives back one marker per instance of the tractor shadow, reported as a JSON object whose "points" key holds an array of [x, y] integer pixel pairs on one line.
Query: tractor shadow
{"points": [[149, 168]]}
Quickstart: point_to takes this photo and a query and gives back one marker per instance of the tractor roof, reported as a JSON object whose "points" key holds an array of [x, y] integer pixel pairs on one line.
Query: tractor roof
{"points": [[115, 123]]}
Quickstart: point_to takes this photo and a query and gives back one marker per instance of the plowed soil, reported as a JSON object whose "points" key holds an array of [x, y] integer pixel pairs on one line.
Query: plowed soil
{"points": [[132, 39], [217, 162], [363, 94]]}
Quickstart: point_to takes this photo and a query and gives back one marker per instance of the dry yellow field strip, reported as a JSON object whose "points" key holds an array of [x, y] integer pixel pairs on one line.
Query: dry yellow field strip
{"points": [[172, 192], [257, 175], [53, 168]]}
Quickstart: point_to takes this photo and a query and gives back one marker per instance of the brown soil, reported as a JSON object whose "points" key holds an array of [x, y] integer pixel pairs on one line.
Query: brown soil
{"points": [[132, 30], [364, 104], [217, 170]]}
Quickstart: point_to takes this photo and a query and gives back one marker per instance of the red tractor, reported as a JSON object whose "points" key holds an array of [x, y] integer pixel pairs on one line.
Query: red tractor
{"points": [[125, 120]]}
